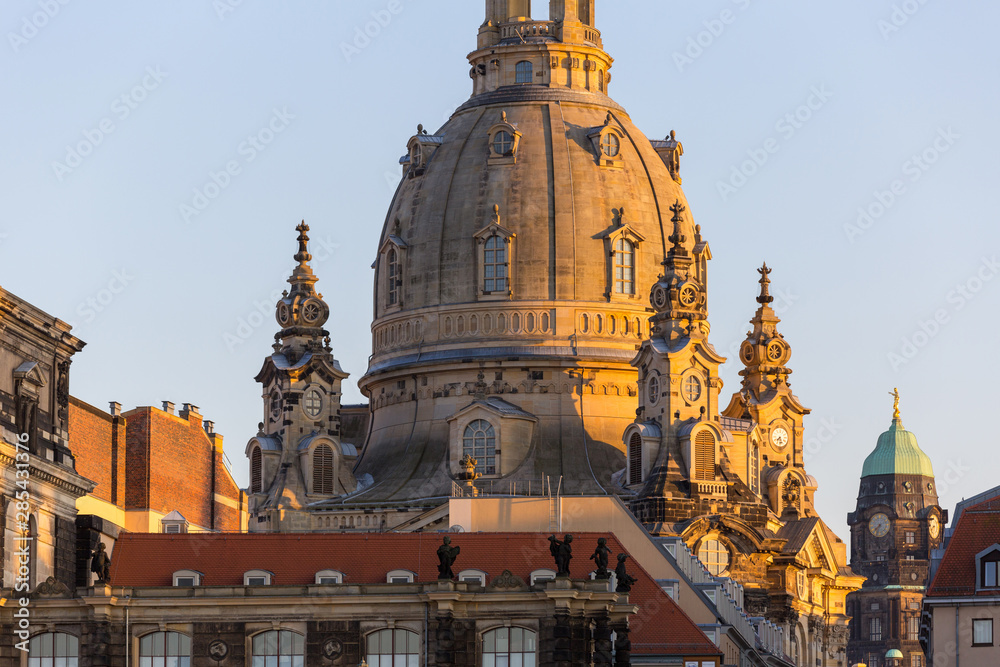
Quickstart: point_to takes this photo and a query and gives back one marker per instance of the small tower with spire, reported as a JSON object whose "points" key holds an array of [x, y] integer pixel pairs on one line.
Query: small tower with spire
{"points": [[896, 525], [297, 459]]}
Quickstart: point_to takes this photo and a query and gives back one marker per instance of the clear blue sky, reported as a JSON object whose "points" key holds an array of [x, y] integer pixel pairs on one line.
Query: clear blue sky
{"points": [[198, 80]]}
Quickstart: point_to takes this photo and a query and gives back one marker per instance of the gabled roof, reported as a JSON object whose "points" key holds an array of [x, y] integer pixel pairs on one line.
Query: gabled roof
{"points": [[977, 529], [142, 560]]}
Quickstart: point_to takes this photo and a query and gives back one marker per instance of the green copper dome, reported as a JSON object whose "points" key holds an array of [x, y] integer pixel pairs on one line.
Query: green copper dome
{"points": [[897, 453]]}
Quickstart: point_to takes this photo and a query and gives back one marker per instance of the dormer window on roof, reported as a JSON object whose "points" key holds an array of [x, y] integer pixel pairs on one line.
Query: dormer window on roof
{"points": [[503, 141], [257, 578], [328, 577], [607, 143], [400, 577], [541, 576], [472, 577], [988, 568], [174, 523], [187, 578]]}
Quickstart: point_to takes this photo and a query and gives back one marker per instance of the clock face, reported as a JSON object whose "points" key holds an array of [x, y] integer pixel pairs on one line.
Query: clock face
{"points": [[779, 437], [933, 526], [879, 525]]}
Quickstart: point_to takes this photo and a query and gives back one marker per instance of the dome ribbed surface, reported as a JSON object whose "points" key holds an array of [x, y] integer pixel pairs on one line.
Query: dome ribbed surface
{"points": [[897, 453]]}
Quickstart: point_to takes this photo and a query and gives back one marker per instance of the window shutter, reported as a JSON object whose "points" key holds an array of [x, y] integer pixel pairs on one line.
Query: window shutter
{"points": [[323, 470], [635, 459], [255, 470], [704, 456]]}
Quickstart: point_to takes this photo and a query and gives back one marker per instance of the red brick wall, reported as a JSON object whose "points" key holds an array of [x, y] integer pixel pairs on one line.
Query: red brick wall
{"points": [[97, 441], [174, 464]]}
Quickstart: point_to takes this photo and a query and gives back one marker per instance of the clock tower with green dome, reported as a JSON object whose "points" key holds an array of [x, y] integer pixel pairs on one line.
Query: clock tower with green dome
{"points": [[896, 525]]}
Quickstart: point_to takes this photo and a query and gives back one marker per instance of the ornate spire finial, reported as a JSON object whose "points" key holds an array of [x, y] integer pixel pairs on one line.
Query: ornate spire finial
{"points": [[765, 281], [895, 405], [303, 256]]}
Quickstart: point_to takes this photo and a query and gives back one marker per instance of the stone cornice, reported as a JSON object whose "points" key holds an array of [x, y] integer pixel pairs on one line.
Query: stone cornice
{"points": [[48, 472]]}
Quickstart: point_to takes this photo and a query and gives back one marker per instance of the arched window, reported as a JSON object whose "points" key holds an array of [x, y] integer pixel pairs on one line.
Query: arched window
{"points": [[393, 648], [704, 456], [480, 442], [755, 469], [393, 278], [53, 648], [525, 72], [505, 647], [279, 647], [165, 649], [600, 80], [495, 265], [323, 470], [255, 470], [624, 267], [635, 459], [715, 556]]}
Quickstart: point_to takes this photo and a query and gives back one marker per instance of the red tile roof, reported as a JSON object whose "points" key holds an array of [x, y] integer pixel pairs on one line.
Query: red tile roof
{"points": [[977, 529], [660, 627]]}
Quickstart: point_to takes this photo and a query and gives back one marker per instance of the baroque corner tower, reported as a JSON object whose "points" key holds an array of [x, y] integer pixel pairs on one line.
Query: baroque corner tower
{"points": [[296, 458]]}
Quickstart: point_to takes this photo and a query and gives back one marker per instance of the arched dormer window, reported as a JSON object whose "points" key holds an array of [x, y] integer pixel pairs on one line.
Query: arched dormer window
{"points": [[607, 142], [524, 72], [622, 244], [480, 442], [256, 464], [496, 250], [322, 464], [635, 459], [329, 577], [704, 456], [504, 139]]}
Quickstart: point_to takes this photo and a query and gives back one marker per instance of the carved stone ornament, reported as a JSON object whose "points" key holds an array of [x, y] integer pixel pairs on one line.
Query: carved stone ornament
{"points": [[507, 581], [333, 648], [51, 588], [218, 650]]}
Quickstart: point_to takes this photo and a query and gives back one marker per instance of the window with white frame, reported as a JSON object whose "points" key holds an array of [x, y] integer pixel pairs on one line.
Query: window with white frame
{"points": [[393, 648], [400, 577], [187, 578], [325, 577], [916, 660], [257, 578], [509, 647], [278, 648], [472, 577], [875, 629], [165, 649], [53, 649], [539, 576], [913, 628], [480, 442]]}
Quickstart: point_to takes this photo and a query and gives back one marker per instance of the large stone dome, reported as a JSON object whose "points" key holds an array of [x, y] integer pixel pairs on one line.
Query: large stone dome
{"points": [[513, 272]]}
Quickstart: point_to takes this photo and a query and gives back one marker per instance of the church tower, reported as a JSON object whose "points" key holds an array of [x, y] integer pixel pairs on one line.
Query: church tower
{"points": [[731, 483], [896, 525], [297, 458]]}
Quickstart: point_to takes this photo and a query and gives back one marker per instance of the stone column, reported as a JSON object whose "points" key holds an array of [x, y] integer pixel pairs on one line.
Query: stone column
{"points": [[602, 642], [623, 645]]}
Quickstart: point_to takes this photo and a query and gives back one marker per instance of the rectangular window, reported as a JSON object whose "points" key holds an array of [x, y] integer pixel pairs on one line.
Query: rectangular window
{"points": [[875, 630], [982, 632], [990, 574], [916, 660], [911, 537], [913, 628]]}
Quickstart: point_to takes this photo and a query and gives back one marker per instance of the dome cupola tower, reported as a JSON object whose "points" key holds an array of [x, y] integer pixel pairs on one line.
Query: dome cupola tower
{"points": [[512, 271]]}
